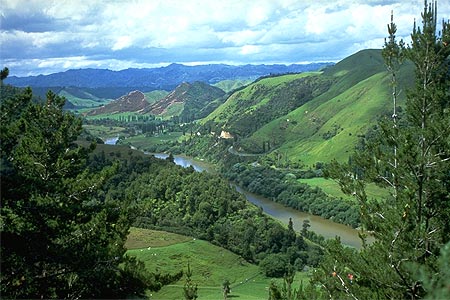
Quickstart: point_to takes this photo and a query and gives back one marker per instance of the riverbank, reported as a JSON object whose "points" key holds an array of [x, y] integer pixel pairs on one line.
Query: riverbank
{"points": [[325, 227]]}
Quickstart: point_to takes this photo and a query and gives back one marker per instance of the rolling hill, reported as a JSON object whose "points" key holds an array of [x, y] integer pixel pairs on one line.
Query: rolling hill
{"points": [[311, 117], [247, 109], [187, 101]]}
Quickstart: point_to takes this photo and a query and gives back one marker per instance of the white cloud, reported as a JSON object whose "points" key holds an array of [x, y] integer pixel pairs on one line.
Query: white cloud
{"points": [[122, 42], [141, 32], [250, 49]]}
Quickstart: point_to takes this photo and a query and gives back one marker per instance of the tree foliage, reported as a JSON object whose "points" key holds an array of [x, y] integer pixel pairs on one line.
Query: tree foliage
{"points": [[410, 156], [60, 239]]}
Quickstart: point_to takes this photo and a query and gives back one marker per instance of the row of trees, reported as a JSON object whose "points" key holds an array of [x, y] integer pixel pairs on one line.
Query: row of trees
{"points": [[282, 186]]}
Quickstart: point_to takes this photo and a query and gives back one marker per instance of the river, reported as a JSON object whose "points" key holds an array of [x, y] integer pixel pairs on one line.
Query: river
{"points": [[111, 141], [322, 226]]}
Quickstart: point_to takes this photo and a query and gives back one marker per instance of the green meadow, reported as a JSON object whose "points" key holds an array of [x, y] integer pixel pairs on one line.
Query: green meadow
{"points": [[142, 142], [103, 131], [332, 188], [211, 265], [88, 100]]}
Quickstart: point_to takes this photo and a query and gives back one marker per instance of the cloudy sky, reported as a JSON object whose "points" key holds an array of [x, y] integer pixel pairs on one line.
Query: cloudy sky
{"points": [[47, 36]]}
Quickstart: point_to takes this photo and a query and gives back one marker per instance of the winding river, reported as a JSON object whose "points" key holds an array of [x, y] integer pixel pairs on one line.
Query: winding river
{"points": [[322, 226]]}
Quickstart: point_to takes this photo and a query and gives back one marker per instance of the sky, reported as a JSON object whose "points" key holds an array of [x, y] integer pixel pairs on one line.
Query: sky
{"points": [[48, 36]]}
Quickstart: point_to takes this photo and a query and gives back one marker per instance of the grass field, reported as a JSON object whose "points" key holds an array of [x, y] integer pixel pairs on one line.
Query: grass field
{"points": [[143, 238], [84, 102], [104, 132], [332, 188], [326, 129], [143, 142], [210, 264]]}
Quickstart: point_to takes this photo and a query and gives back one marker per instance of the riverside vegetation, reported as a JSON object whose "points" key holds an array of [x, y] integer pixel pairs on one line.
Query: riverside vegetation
{"points": [[68, 204]]}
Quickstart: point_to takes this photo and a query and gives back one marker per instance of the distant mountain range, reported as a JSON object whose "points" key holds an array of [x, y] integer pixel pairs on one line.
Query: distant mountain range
{"points": [[164, 78]]}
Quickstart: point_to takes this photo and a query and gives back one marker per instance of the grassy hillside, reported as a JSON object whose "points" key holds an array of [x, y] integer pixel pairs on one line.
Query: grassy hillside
{"points": [[334, 108], [186, 101], [80, 98], [210, 264], [246, 110], [230, 85], [323, 131]]}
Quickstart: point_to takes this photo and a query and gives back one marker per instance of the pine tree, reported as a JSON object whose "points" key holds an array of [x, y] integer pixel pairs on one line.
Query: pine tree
{"points": [[58, 239], [410, 156]]}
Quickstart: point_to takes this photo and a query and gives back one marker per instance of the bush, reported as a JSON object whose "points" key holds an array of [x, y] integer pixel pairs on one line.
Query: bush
{"points": [[275, 265]]}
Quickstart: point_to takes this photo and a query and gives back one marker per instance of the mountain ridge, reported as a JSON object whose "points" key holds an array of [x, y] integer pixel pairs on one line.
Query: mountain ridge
{"points": [[191, 96], [166, 78]]}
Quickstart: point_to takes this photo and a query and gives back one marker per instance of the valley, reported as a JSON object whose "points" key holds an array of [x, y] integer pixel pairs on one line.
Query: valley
{"points": [[205, 180], [285, 126], [327, 228], [299, 167]]}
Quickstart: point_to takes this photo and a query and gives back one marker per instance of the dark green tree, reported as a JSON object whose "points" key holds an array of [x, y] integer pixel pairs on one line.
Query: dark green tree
{"points": [[3, 74], [274, 291], [412, 160], [58, 238], [305, 226], [275, 265], [288, 292]]}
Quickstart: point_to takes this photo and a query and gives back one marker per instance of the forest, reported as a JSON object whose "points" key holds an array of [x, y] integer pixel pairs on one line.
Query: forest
{"points": [[68, 202]]}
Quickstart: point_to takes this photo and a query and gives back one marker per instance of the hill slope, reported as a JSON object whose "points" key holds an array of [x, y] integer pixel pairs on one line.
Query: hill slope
{"points": [[247, 109], [135, 101], [186, 101], [315, 117]]}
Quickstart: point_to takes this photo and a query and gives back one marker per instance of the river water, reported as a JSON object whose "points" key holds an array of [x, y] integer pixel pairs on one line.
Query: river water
{"points": [[111, 141], [322, 226]]}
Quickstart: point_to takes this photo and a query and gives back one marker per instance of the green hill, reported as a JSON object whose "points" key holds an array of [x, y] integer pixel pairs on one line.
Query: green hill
{"points": [[321, 132], [248, 109], [311, 117], [210, 264], [81, 98], [232, 84]]}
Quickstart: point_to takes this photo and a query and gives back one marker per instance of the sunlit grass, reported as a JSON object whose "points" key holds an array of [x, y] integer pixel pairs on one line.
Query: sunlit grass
{"points": [[143, 142], [104, 131], [332, 188], [210, 265]]}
